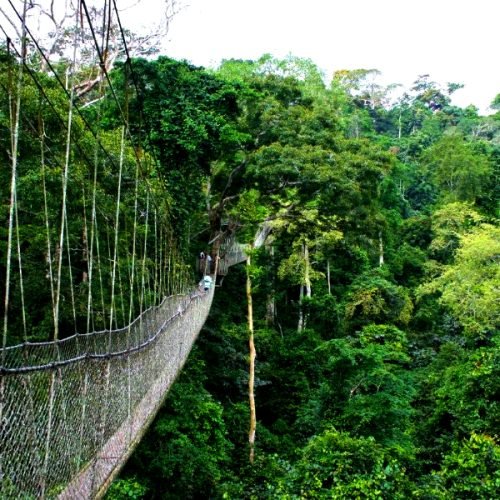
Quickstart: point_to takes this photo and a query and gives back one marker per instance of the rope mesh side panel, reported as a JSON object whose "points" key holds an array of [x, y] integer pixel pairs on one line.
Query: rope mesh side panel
{"points": [[72, 409], [49, 450], [232, 253]]}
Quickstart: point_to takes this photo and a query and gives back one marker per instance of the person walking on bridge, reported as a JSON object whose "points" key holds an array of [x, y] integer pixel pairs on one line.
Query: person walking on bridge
{"points": [[207, 282]]}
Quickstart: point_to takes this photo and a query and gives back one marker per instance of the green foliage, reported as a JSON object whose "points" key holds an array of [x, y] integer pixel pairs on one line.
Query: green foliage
{"points": [[187, 446], [255, 481], [459, 170], [189, 120], [468, 285], [407, 264], [473, 469], [336, 465], [463, 387], [366, 388], [470, 471], [372, 298], [449, 223], [372, 399], [123, 489]]}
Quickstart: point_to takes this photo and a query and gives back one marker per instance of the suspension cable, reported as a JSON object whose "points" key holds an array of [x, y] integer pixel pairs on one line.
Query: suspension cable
{"points": [[46, 216], [117, 223], [63, 86], [21, 280], [143, 271], [65, 183], [70, 272], [15, 110]]}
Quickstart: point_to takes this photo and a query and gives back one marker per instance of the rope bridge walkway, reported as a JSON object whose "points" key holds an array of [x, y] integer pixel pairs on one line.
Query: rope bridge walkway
{"points": [[87, 245], [73, 410]]}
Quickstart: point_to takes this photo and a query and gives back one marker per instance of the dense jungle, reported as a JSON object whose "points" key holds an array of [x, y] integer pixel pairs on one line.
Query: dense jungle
{"points": [[374, 282], [356, 354]]}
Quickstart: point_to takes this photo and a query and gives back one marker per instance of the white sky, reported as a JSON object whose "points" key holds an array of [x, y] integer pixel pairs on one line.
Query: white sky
{"points": [[452, 40]]}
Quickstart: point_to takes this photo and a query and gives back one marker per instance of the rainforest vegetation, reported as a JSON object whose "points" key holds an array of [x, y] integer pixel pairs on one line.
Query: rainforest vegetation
{"points": [[374, 279], [375, 292]]}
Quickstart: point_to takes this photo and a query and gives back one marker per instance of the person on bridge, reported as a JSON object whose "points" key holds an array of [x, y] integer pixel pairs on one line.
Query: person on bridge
{"points": [[207, 282]]}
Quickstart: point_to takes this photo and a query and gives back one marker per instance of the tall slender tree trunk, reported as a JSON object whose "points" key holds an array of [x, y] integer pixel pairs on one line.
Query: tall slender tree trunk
{"points": [[270, 309], [399, 123], [251, 370], [305, 287], [85, 275], [328, 277], [307, 271], [271, 303], [380, 249], [300, 326]]}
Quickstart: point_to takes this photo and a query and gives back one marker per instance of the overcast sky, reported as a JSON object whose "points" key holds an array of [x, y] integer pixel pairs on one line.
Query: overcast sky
{"points": [[452, 40]]}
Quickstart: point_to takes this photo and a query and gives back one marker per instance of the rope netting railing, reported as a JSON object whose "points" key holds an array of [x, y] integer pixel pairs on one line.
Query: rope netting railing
{"points": [[68, 425], [231, 253], [37, 356], [86, 246]]}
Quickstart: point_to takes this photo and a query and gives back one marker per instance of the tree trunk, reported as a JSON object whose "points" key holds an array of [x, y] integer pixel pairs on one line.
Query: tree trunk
{"points": [[85, 275], [300, 326], [271, 303], [307, 271], [328, 277], [399, 124], [251, 370], [380, 249], [306, 286]]}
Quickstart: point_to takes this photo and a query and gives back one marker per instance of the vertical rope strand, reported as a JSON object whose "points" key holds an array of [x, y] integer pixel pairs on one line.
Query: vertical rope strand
{"points": [[157, 264], [21, 281], [144, 256], [168, 273], [117, 223], [15, 110], [41, 128], [65, 180], [122, 298], [86, 254], [93, 218], [134, 245], [162, 291], [101, 281], [70, 270], [91, 244]]}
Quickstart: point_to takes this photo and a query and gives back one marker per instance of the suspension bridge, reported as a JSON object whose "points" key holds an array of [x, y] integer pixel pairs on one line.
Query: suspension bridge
{"points": [[99, 311]]}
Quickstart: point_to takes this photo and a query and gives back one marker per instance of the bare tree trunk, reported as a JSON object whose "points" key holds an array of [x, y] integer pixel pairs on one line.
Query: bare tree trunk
{"points": [[380, 249], [306, 286], [328, 277], [270, 309], [271, 303], [251, 369], [307, 271], [399, 123], [300, 326], [85, 275]]}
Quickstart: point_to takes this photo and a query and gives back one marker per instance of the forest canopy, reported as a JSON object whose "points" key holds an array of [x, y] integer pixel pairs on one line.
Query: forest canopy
{"points": [[375, 293], [374, 276]]}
